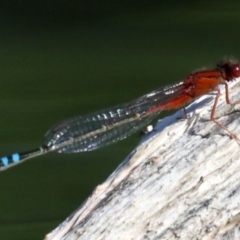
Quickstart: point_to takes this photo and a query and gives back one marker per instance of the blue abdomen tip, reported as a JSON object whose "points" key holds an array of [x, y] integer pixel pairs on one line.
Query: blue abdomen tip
{"points": [[15, 157], [4, 161]]}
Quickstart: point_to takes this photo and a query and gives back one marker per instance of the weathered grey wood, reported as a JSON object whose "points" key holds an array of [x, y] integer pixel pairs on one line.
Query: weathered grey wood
{"points": [[181, 182]]}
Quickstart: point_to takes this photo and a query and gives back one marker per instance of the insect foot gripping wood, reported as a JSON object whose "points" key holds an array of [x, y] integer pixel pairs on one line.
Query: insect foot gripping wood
{"points": [[230, 71], [174, 185], [220, 110]]}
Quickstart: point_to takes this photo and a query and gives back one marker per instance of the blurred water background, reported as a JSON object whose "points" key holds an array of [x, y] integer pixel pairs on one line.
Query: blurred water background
{"points": [[60, 59]]}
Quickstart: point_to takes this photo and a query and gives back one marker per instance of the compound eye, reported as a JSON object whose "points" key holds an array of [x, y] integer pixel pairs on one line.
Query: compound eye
{"points": [[235, 70]]}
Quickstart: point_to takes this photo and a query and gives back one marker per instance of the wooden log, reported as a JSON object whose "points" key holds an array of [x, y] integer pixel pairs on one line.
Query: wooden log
{"points": [[181, 182]]}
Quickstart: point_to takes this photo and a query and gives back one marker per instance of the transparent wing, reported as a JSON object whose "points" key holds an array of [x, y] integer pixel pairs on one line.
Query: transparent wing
{"points": [[92, 131]]}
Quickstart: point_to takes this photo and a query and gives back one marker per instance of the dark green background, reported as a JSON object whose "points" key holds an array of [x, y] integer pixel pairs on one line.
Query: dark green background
{"points": [[61, 59]]}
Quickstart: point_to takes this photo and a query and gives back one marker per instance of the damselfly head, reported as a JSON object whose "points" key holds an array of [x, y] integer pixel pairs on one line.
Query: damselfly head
{"points": [[231, 70]]}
